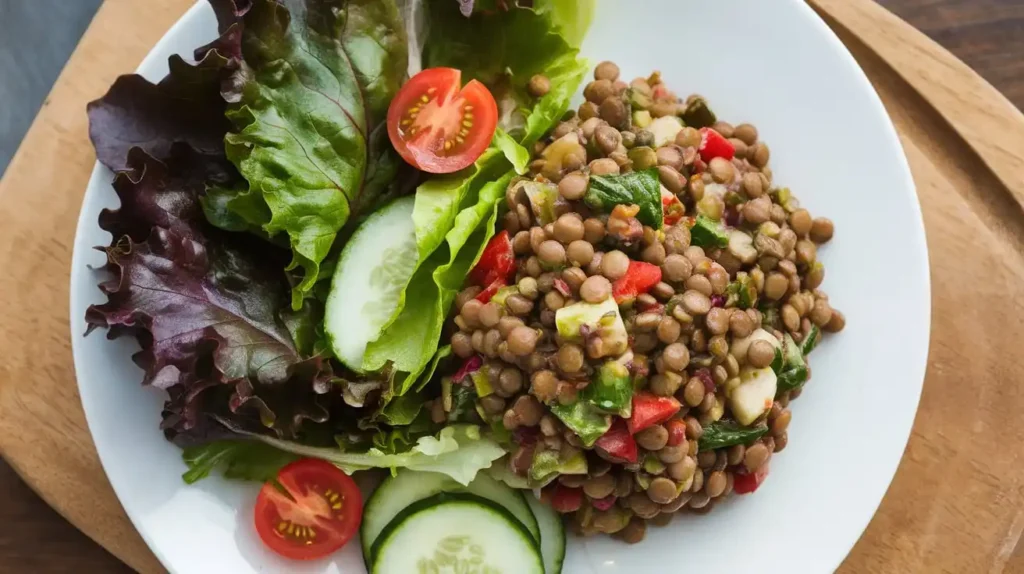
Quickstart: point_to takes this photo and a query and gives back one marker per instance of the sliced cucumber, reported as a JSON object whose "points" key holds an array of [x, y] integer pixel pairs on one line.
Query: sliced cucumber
{"points": [[552, 535], [369, 280], [456, 533], [408, 487]]}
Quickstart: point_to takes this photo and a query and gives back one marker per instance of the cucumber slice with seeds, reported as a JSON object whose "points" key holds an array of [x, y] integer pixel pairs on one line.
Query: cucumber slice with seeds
{"points": [[369, 280], [456, 533], [407, 487]]}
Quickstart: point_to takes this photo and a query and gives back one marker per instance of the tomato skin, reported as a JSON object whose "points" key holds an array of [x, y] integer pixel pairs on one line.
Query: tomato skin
{"points": [[565, 499], [438, 125], [313, 510], [749, 482], [671, 208], [640, 277], [619, 442], [487, 294], [498, 261], [713, 144], [650, 409]]}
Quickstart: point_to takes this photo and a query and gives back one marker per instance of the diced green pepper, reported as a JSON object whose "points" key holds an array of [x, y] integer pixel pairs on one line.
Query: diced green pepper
{"points": [[810, 341], [653, 465], [641, 118], [707, 232], [482, 383], [611, 390], [503, 294], [548, 464], [741, 293], [724, 433], [584, 419], [794, 372]]}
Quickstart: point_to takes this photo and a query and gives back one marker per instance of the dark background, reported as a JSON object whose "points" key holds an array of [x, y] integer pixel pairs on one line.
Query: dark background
{"points": [[36, 38]]}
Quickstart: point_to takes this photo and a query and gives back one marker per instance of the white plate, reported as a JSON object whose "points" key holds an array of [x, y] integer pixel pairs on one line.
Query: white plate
{"points": [[774, 64]]}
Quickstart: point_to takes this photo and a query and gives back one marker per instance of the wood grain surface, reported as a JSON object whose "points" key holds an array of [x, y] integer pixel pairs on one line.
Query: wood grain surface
{"points": [[957, 503]]}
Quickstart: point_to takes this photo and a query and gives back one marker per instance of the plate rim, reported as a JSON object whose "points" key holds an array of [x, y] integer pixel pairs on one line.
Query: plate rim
{"points": [[921, 267]]}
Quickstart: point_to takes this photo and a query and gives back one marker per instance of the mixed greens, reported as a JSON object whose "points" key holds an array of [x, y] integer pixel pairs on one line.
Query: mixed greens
{"points": [[244, 179]]}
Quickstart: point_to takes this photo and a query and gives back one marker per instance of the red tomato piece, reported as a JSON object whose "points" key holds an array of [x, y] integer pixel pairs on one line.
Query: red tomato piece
{"points": [[565, 499], [618, 442], [713, 145], [650, 409], [747, 483], [640, 277], [676, 432], [671, 207], [313, 510], [437, 124], [491, 290], [498, 261]]}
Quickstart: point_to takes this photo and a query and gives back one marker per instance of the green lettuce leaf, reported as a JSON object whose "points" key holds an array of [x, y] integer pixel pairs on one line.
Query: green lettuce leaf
{"points": [[237, 459], [459, 451], [307, 108], [571, 17]]}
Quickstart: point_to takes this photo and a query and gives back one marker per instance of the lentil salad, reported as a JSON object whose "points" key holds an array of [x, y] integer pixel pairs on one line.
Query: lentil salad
{"points": [[719, 304]]}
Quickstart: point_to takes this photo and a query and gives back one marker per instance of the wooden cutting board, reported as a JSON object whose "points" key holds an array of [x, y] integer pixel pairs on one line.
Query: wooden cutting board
{"points": [[957, 502]]}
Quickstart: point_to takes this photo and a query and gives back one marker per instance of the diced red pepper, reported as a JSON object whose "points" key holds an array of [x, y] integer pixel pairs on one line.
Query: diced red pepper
{"points": [[618, 442], [747, 483], [497, 262], [492, 290], [676, 432], [713, 145], [565, 499], [640, 277], [671, 207], [650, 409]]}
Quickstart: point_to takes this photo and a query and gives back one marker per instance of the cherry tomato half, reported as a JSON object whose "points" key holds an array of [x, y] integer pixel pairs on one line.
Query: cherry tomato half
{"points": [[312, 511], [437, 124]]}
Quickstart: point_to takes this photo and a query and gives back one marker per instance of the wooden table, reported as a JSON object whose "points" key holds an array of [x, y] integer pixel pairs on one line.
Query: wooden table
{"points": [[986, 34]]}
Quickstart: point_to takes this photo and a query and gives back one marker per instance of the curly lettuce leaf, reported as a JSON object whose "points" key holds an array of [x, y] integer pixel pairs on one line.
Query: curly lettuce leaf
{"points": [[504, 49], [209, 309], [184, 107], [308, 105]]}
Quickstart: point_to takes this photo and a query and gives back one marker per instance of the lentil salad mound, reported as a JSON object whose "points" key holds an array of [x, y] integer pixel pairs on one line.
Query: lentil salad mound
{"points": [[638, 327]]}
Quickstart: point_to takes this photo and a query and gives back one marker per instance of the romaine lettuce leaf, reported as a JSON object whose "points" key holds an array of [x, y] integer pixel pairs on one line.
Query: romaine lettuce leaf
{"points": [[307, 108], [185, 107]]}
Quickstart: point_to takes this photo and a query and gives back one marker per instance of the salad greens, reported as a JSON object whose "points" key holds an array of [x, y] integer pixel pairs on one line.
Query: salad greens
{"points": [[306, 107], [241, 178]]}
